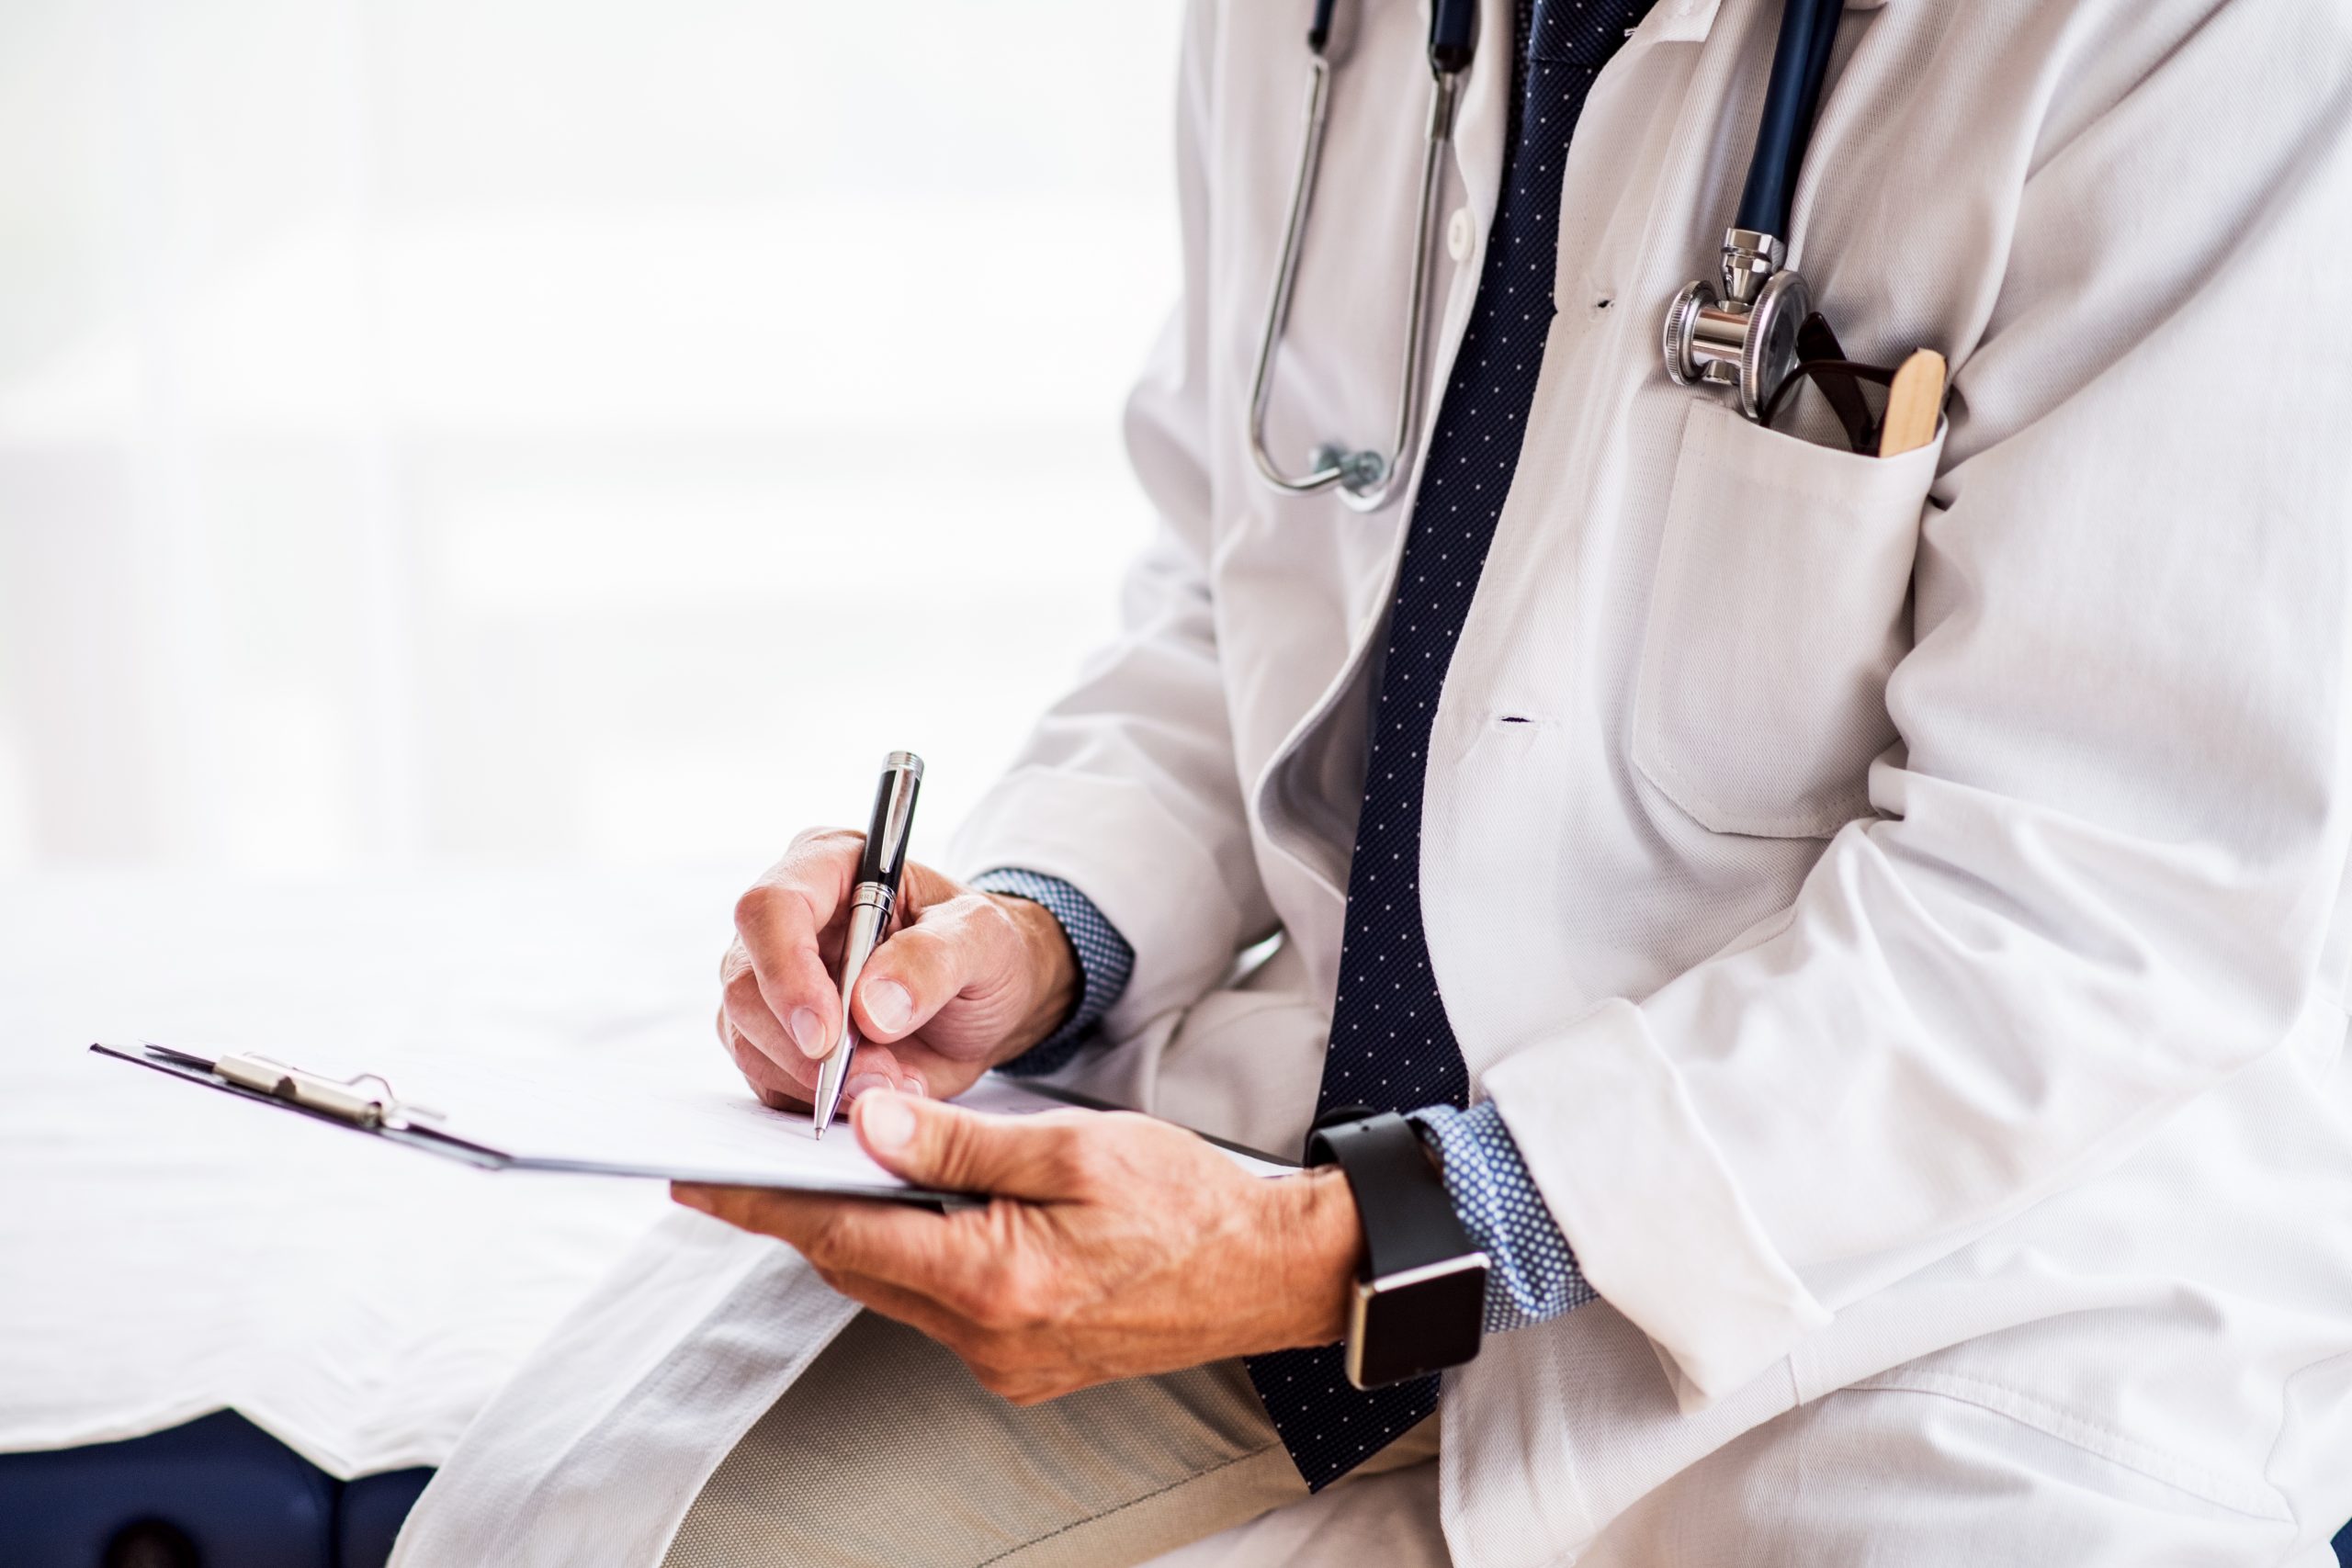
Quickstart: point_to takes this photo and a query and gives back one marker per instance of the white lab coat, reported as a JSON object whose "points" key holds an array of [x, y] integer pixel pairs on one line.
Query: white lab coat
{"points": [[1897, 906]]}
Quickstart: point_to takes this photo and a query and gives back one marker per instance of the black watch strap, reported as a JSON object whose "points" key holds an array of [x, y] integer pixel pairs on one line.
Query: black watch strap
{"points": [[1420, 1302], [1408, 1222]]}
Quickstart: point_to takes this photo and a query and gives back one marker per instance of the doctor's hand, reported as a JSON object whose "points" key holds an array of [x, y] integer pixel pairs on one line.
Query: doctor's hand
{"points": [[966, 979], [1116, 1246]]}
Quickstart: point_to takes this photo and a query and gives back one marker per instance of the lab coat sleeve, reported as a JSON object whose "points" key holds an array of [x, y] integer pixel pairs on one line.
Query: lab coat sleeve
{"points": [[1129, 790], [2107, 859]]}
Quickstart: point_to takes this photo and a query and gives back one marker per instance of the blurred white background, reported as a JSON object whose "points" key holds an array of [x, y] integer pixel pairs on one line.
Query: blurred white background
{"points": [[463, 430]]}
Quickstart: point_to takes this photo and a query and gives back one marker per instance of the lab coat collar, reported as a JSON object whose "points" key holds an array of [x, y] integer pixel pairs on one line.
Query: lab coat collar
{"points": [[1689, 20], [1672, 21], [1479, 133]]}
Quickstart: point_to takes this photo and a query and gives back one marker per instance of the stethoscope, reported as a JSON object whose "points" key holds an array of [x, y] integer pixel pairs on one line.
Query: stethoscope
{"points": [[1367, 478], [1744, 338]]}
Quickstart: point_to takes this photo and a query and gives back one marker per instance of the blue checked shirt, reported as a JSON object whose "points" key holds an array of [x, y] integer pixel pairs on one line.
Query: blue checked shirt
{"points": [[1532, 1274]]}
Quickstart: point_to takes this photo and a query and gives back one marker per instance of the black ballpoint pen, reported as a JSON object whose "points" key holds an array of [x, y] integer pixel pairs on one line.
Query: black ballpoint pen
{"points": [[871, 901]]}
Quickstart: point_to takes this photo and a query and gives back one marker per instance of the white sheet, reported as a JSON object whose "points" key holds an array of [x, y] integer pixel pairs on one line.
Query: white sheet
{"points": [[166, 1252], [686, 1116]]}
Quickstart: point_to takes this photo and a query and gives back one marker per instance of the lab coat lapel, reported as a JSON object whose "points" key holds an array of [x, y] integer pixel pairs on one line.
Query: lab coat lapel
{"points": [[1689, 21], [1483, 122], [1678, 21], [1295, 793]]}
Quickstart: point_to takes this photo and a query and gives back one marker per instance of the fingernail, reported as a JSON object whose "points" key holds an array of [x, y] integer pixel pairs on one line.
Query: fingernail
{"points": [[806, 1028], [887, 1122], [889, 1005], [861, 1083]]}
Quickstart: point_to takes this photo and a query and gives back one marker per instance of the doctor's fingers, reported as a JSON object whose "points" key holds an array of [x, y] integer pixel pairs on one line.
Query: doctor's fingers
{"points": [[913, 1250], [744, 1008], [965, 949], [779, 1085], [749, 1028], [779, 924], [1050, 1157], [789, 1082]]}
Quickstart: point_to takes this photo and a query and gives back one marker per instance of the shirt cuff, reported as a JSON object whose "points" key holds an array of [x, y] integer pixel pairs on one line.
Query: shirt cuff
{"points": [[1104, 962], [1532, 1273]]}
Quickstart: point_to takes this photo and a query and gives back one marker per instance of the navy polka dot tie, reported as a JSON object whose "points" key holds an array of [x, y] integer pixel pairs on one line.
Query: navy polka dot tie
{"points": [[1391, 1048]]}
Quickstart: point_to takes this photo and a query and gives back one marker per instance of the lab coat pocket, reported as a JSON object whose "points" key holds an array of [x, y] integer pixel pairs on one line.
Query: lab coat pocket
{"points": [[1780, 605]]}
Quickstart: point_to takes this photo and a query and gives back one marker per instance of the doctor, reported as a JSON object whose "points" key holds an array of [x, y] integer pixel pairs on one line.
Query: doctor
{"points": [[1859, 945]]}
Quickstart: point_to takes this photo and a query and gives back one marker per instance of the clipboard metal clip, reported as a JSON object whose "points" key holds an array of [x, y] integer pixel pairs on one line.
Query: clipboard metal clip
{"points": [[365, 1101]]}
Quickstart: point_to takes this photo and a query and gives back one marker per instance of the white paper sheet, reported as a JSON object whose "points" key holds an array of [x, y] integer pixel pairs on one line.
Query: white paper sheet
{"points": [[625, 1118], [357, 1301]]}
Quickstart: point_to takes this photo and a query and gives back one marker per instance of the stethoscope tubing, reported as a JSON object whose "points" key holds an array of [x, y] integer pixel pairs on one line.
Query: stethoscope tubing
{"points": [[1800, 64], [1367, 480]]}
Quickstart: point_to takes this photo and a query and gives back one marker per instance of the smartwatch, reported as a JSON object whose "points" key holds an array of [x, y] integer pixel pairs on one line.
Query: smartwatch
{"points": [[1419, 1302]]}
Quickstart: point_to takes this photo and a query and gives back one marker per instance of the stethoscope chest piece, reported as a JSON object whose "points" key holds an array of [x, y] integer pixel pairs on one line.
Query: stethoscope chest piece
{"points": [[1745, 337]]}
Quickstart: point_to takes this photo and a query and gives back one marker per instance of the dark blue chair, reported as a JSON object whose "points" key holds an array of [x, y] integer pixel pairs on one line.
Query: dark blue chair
{"points": [[218, 1492], [370, 1516]]}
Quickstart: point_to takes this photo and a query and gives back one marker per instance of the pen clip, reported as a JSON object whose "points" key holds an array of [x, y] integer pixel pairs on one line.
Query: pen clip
{"points": [[884, 854]]}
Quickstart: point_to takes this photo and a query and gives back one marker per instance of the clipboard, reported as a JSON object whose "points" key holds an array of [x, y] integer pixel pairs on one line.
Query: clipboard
{"points": [[726, 1140]]}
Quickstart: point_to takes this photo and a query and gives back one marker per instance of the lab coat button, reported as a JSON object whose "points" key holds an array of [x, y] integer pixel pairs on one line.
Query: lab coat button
{"points": [[1459, 238]]}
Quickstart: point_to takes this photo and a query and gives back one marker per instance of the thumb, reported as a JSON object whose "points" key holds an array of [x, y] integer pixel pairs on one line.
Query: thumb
{"points": [[964, 1151]]}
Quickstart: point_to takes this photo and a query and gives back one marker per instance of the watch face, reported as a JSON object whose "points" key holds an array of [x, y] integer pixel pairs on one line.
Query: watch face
{"points": [[1425, 1323]]}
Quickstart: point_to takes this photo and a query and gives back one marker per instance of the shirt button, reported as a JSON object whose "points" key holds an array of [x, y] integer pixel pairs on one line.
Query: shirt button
{"points": [[1460, 241]]}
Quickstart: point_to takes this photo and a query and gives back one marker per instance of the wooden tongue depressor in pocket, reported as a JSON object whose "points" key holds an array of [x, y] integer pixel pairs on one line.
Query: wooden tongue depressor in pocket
{"points": [[1914, 402]]}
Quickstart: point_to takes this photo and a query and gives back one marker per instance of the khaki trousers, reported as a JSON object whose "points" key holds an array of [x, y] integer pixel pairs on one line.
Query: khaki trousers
{"points": [[888, 1454]]}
